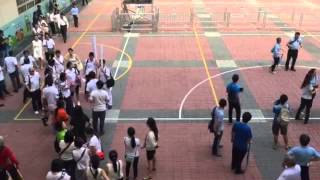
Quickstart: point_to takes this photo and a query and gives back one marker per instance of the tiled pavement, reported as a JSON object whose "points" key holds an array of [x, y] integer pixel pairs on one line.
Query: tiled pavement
{"points": [[165, 67]]}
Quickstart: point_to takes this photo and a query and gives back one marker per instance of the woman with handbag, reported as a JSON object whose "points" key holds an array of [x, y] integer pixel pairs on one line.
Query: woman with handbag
{"points": [[65, 154], [94, 143], [82, 159], [132, 146], [114, 169], [151, 144]]}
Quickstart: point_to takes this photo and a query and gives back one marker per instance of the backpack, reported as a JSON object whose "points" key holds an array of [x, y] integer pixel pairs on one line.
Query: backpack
{"points": [[284, 116], [273, 49], [211, 122]]}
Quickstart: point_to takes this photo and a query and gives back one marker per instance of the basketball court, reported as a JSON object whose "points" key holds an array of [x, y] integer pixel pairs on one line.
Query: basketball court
{"points": [[177, 75]]}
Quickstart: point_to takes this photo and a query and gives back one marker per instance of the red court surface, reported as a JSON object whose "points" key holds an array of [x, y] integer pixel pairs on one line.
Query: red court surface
{"points": [[171, 48], [166, 88], [184, 153], [246, 48]]}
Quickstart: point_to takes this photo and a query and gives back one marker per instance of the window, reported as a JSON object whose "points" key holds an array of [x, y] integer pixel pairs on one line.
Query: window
{"points": [[24, 5]]}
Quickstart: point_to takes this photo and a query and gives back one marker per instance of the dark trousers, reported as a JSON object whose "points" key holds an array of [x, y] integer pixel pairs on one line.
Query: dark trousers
{"points": [[69, 105], [13, 173], [237, 107], [75, 20], [134, 167], [52, 27], [70, 166], [305, 103], [305, 173], [49, 53], [15, 80], [276, 61], [63, 30], [291, 54], [98, 115], [36, 100], [237, 157], [26, 95], [84, 2], [216, 143], [3, 88]]}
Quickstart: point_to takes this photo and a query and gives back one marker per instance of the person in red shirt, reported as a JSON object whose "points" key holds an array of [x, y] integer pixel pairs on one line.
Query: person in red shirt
{"points": [[8, 163], [60, 112]]}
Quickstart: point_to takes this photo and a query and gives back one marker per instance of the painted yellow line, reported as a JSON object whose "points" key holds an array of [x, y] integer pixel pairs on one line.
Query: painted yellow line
{"points": [[130, 61], [73, 46], [214, 95]]}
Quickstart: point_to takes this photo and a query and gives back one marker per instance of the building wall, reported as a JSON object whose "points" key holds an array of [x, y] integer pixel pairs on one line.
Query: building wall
{"points": [[8, 11]]}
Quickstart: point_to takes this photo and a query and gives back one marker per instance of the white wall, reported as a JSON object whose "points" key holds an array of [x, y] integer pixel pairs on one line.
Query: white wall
{"points": [[8, 11]]}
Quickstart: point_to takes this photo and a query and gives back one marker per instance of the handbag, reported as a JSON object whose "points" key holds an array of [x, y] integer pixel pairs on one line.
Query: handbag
{"points": [[100, 154], [110, 82]]}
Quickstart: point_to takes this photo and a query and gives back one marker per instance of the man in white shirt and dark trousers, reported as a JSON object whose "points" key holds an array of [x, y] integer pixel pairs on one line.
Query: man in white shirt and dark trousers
{"points": [[75, 12], [49, 45], [276, 54], [218, 126], [63, 25], [33, 84], [99, 99], [11, 64], [294, 44], [50, 97]]}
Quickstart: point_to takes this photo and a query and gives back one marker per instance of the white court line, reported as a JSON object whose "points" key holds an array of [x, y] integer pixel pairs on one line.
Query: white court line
{"points": [[220, 74], [170, 119]]}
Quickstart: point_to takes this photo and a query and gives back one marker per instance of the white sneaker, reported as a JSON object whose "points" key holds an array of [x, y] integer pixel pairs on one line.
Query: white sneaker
{"points": [[36, 112]]}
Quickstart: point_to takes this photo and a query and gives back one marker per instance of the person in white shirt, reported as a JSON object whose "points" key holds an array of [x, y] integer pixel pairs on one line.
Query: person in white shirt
{"points": [[91, 64], [63, 25], [26, 55], [132, 146], [218, 126], [94, 143], [36, 30], [24, 68], [33, 84], [294, 45], [66, 150], [99, 99], [82, 158], [308, 93], [74, 59], [64, 88], [104, 76], [75, 12], [291, 169], [37, 47], [73, 76], [277, 54], [50, 97], [3, 88], [49, 45], [56, 171], [93, 172], [44, 26], [151, 144], [59, 62], [11, 65], [91, 84], [114, 169], [56, 18], [51, 22]]}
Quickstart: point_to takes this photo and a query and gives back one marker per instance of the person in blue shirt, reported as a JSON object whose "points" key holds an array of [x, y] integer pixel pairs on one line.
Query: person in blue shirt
{"points": [[233, 90], [304, 154], [282, 102], [241, 137], [75, 12]]}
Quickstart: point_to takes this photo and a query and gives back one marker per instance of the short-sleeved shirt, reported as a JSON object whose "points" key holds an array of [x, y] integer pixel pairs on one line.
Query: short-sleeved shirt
{"points": [[233, 90], [295, 45], [277, 108], [100, 98], [57, 176], [62, 115], [129, 150], [90, 66], [276, 50], [33, 81], [95, 142], [304, 155], [50, 93], [242, 134], [92, 85], [11, 64], [49, 43], [82, 162], [292, 173], [74, 11], [218, 119], [25, 70]]}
